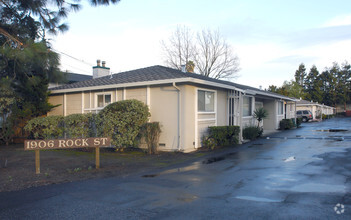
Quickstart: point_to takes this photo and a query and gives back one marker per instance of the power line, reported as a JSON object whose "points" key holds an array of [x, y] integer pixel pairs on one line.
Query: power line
{"points": [[80, 60], [78, 69]]}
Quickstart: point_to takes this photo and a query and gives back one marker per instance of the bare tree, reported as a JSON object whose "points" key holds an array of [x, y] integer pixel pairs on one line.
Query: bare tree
{"points": [[208, 51], [214, 56], [179, 49]]}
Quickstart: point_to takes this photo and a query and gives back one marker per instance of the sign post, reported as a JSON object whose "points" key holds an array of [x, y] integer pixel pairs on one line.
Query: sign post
{"points": [[38, 145], [97, 157], [37, 161]]}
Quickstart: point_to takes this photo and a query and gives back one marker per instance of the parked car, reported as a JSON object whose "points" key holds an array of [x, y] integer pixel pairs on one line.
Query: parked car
{"points": [[306, 115]]}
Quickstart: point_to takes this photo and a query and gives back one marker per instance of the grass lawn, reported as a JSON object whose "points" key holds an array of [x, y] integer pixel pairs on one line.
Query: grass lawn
{"points": [[17, 167]]}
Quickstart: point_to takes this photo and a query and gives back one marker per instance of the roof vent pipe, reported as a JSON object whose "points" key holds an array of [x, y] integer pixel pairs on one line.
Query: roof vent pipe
{"points": [[260, 87], [183, 68]]}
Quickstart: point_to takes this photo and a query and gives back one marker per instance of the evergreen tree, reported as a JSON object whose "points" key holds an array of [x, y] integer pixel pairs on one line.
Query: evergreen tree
{"points": [[313, 85], [45, 15], [25, 55], [272, 88], [343, 88], [300, 74]]}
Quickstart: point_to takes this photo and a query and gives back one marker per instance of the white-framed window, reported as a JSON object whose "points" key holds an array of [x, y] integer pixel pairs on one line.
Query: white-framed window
{"points": [[205, 101], [280, 108], [103, 99], [247, 106]]}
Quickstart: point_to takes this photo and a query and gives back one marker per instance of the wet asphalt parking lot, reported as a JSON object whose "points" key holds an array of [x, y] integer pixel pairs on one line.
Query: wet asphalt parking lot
{"points": [[297, 174]]}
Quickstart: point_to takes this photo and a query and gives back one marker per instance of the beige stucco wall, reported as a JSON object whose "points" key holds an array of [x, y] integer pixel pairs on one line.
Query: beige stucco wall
{"points": [[222, 108], [163, 108], [188, 106], [73, 103], [136, 93], [87, 101], [119, 94], [290, 110], [269, 122], [278, 117], [308, 107], [56, 100]]}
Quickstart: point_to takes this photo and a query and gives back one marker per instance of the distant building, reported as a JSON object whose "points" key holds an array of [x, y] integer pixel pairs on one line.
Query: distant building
{"points": [[317, 109]]}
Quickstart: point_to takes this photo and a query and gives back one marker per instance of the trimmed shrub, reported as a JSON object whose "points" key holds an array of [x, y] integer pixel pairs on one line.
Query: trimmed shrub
{"points": [[252, 132], [224, 135], [78, 125], [286, 124], [327, 116], [208, 142], [151, 132], [45, 127], [122, 121], [298, 122]]}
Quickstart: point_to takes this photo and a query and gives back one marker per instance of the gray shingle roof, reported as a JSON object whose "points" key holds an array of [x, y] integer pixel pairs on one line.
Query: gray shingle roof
{"points": [[152, 73], [75, 77], [305, 102]]}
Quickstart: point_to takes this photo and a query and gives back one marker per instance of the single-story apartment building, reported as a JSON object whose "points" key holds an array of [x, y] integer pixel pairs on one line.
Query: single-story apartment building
{"points": [[184, 103], [317, 109]]}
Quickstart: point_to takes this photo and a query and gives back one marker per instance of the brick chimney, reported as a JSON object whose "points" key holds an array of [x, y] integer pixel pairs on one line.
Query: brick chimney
{"points": [[100, 71]]}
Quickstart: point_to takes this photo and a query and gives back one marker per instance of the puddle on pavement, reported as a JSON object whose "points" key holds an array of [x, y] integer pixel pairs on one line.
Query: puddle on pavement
{"points": [[256, 144], [332, 130], [213, 160], [258, 199], [194, 166], [318, 188], [219, 158], [187, 199], [150, 175]]}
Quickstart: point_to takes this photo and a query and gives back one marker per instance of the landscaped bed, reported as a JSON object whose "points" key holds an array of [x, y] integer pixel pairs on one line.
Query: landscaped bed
{"points": [[17, 167]]}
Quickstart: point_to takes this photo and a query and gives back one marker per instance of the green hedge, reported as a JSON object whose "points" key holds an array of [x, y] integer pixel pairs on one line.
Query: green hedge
{"points": [[151, 132], [252, 132], [49, 127], [298, 122], [327, 116], [79, 125], [286, 124], [224, 135], [122, 121]]}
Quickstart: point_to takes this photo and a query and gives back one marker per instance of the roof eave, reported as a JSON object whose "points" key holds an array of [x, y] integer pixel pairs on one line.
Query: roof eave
{"points": [[146, 83], [254, 92]]}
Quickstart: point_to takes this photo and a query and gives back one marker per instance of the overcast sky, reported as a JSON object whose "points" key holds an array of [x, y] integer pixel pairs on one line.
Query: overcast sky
{"points": [[271, 37]]}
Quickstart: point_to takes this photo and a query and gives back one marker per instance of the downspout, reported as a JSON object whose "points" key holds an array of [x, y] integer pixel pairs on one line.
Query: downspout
{"points": [[241, 96], [179, 122]]}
